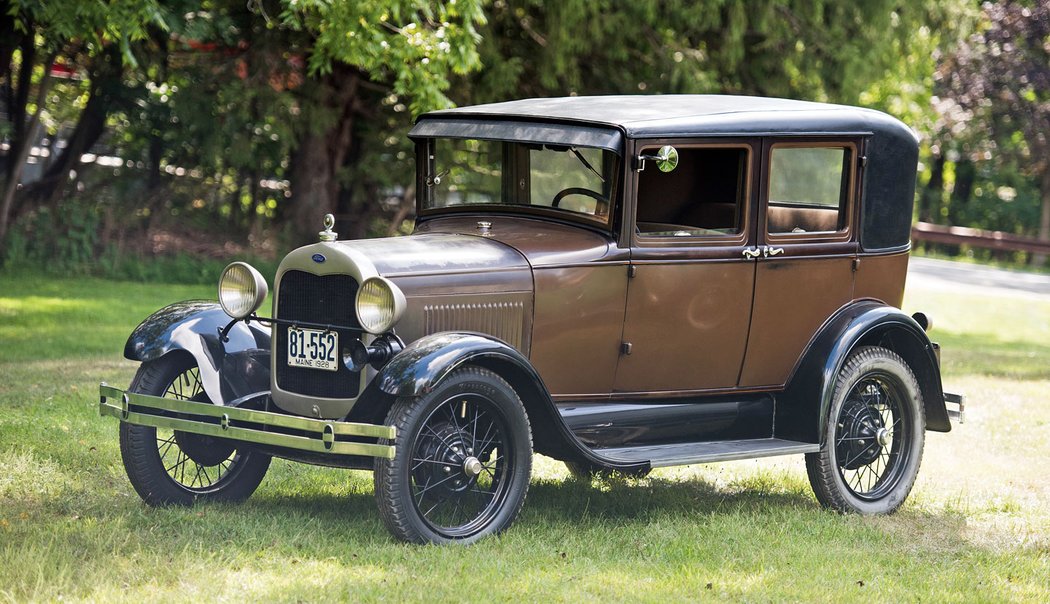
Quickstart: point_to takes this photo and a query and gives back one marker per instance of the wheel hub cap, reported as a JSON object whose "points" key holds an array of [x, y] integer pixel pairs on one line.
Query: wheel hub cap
{"points": [[884, 437], [453, 470], [862, 436], [472, 466]]}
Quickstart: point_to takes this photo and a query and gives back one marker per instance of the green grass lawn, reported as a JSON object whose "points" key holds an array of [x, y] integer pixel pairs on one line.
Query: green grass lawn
{"points": [[977, 527]]}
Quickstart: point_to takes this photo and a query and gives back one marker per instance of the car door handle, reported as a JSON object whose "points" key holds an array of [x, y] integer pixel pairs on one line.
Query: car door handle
{"points": [[768, 251], [751, 254]]}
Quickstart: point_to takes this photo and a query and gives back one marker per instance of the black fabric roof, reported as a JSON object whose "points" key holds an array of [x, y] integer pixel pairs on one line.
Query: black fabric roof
{"points": [[688, 115]]}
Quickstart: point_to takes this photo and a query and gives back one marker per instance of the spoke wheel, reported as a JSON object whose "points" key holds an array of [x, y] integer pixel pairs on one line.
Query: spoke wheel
{"points": [[874, 436], [173, 467], [462, 462]]}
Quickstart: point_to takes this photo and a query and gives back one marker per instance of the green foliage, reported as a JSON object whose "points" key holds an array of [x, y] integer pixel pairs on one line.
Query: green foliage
{"points": [[69, 241], [825, 51], [414, 44], [92, 24], [221, 103], [993, 108], [58, 241]]}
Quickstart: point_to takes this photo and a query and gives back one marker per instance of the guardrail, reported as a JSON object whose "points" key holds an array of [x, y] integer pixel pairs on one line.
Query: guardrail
{"points": [[992, 240]]}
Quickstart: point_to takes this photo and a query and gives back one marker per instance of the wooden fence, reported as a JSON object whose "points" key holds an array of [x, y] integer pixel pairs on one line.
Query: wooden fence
{"points": [[992, 240]]}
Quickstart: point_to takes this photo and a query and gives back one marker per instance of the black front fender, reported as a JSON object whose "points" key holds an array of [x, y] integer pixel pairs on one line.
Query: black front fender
{"points": [[229, 370], [428, 360], [802, 411]]}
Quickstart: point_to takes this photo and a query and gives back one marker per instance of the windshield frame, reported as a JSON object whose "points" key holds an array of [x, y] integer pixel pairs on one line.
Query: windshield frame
{"points": [[426, 166]]}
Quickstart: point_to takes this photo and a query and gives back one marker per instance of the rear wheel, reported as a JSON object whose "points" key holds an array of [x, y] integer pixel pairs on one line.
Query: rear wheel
{"points": [[170, 467], [463, 456], [874, 436]]}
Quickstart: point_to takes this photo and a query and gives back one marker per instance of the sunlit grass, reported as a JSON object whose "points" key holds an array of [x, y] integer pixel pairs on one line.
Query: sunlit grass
{"points": [[977, 527]]}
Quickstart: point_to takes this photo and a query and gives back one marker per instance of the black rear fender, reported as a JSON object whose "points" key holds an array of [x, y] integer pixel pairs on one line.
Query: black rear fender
{"points": [[802, 411]]}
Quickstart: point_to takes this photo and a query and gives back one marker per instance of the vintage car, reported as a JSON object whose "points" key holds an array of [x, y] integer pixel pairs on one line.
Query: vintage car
{"points": [[621, 283]]}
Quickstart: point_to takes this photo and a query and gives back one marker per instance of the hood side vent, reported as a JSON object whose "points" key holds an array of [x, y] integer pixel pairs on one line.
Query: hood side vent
{"points": [[504, 320]]}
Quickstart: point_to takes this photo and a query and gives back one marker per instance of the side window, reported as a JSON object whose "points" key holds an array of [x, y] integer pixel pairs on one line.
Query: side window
{"points": [[704, 196], [808, 189]]}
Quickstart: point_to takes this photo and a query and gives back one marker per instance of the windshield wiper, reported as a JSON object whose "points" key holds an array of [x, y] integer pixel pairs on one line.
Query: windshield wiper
{"points": [[584, 161]]}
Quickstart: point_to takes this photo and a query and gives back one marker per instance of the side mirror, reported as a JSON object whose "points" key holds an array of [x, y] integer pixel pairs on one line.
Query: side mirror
{"points": [[666, 159]]}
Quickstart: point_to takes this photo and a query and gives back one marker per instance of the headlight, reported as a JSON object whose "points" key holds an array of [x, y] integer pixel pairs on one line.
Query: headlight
{"points": [[241, 290], [379, 305]]}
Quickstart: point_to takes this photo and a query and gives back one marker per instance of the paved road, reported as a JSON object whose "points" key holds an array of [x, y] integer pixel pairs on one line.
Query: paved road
{"points": [[962, 276]]}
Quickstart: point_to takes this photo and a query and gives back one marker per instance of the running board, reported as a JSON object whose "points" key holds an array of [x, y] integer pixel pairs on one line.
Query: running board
{"points": [[660, 456]]}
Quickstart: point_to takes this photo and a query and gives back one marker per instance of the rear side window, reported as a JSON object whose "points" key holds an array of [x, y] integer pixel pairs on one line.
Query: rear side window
{"points": [[808, 189]]}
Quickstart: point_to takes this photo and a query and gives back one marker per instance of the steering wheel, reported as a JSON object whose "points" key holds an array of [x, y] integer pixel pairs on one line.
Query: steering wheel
{"points": [[601, 199]]}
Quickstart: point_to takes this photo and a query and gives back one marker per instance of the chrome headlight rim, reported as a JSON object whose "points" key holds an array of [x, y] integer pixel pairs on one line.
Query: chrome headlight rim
{"points": [[242, 290], [379, 305]]}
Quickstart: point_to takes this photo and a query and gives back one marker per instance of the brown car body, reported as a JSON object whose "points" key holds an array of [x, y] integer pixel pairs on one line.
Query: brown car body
{"points": [[728, 261]]}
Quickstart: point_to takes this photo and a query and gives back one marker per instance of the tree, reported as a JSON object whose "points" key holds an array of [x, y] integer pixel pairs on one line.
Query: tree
{"points": [[997, 85], [816, 50], [96, 37], [357, 54]]}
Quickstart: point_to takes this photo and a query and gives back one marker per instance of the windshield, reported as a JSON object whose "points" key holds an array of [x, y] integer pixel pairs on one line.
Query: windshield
{"points": [[481, 174]]}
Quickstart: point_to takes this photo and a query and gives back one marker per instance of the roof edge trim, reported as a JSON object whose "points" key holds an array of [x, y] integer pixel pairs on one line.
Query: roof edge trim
{"points": [[574, 135]]}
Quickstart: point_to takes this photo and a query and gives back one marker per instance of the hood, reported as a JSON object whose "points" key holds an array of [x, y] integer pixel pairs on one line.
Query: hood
{"points": [[436, 253]]}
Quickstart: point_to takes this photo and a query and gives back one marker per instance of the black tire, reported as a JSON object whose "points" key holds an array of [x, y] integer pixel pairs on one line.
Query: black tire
{"points": [[169, 467], [463, 457], [874, 436], [585, 471]]}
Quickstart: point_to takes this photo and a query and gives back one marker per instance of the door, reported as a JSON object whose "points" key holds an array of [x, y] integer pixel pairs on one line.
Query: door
{"points": [[690, 288], [806, 229]]}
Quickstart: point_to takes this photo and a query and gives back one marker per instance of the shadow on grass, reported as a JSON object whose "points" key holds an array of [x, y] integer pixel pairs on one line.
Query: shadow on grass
{"points": [[293, 520], [628, 499], [568, 501]]}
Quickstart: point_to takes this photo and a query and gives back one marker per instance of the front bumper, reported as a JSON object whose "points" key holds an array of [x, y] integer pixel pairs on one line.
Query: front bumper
{"points": [[246, 425]]}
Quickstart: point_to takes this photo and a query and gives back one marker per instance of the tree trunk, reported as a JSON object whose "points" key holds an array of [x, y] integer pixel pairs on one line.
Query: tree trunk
{"points": [[1044, 219], [19, 156], [9, 39], [17, 108], [965, 174], [407, 206], [320, 154], [105, 77], [930, 200]]}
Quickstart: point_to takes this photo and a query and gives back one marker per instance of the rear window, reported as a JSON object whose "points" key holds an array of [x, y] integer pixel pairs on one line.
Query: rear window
{"points": [[808, 189]]}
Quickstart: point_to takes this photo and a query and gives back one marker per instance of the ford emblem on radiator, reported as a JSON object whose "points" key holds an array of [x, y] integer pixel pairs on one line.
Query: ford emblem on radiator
{"points": [[318, 258]]}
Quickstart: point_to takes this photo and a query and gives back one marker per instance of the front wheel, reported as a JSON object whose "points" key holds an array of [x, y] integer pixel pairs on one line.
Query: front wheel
{"points": [[463, 456], [874, 436], [170, 467]]}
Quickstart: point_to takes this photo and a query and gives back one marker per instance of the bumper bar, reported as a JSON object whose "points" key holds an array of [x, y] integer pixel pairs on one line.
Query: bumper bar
{"points": [[959, 413], [246, 425]]}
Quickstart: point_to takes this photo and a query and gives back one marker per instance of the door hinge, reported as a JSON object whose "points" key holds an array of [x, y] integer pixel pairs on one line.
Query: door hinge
{"points": [[632, 270], [626, 348], [856, 264]]}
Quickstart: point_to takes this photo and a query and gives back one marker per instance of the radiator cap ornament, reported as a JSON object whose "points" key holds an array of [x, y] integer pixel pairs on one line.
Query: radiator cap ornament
{"points": [[328, 234]]}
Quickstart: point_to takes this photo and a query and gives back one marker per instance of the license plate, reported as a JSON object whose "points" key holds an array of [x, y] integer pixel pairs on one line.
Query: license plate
{"points": [[313, 348]]}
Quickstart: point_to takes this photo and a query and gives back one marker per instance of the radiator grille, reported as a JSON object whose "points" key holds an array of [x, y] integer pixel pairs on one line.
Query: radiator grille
{"points": [[503, 320], [327, 300]]}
